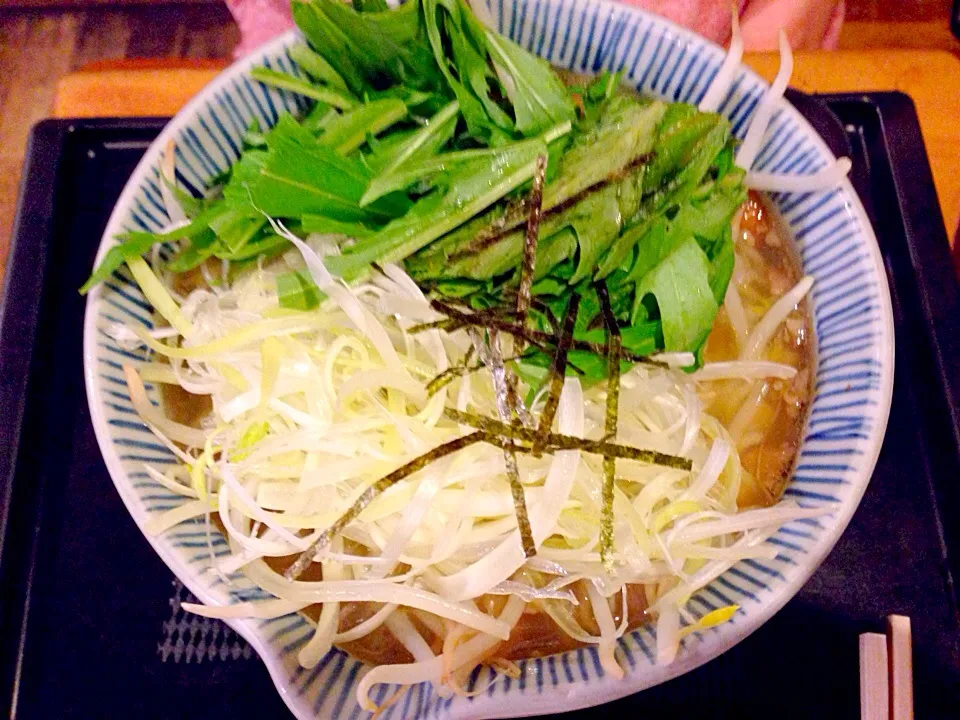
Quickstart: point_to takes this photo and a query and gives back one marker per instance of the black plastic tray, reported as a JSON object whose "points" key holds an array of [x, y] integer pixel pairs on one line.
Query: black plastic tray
{"points": [[90, 624]]}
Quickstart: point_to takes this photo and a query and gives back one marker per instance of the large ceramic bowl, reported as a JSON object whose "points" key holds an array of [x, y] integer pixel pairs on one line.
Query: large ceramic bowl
{"points": [[853, 323]]}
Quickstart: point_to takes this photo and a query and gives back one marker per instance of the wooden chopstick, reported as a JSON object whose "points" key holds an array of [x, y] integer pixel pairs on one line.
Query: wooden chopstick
{"points": [[900, 654], [874, 676], [886, 672]]}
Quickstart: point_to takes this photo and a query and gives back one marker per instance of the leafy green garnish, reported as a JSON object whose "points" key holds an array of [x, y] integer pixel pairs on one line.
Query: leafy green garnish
{"points": [[474, 185], [420, 148], [349, 131], [539, 99], [316, 66], [328, 95], [297, 291], [680, 284], [420, 145], [370, 50]]}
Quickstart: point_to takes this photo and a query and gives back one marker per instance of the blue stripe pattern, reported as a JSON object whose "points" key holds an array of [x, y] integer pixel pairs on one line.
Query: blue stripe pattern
{"points": [[850, 304]]}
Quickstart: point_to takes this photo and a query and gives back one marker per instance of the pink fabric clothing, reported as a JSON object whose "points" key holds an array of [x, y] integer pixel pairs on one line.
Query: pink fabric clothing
{"points": [[809, 23], [259, 21]]}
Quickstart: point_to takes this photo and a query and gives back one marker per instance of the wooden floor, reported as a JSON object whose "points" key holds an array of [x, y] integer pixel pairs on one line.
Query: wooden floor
{"points": [[38, 46]]}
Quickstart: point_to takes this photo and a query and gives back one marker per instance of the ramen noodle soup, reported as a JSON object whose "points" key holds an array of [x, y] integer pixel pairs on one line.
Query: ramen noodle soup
{"points": [[765, 418], [473, 369]]}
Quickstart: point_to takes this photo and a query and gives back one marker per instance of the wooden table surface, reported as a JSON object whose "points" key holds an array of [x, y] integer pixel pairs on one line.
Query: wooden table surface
{"points": [[38, 47], [930, 77]]}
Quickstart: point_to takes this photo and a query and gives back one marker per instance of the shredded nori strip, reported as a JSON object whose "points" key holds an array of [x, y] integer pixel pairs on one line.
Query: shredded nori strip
{"points": [[452, 373], [402, 472], [524, 438], [614, 346], [514, 212], [512, 438], [443, 379], [448, 324], [514, 403], [558, 371], [492, 357], [530, 240], [547, 312], [446, 377], [539, 339], [487, 320]]}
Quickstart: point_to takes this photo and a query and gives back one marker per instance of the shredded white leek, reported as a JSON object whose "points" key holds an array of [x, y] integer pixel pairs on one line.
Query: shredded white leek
{"points": [[158, 296], [310, 409], [763, 331], [731, 63], [747, 152], [745, 369], [778, 182], [173, 430], [168, 178], [263, 610]]}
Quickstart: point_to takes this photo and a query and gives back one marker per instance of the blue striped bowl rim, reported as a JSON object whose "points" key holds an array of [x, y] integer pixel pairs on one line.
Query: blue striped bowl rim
{"points": [[853, 386]]}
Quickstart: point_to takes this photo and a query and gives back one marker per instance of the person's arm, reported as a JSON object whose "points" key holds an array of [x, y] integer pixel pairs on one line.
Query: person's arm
{"points": [[810, 24], [259, 21]]}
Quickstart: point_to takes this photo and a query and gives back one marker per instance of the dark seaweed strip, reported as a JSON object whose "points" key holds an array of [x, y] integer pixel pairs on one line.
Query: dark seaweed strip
{"points": [[497, 312], [514, 403], [509, 294], [513, 214], [452, 373], [447, 324], [614, 346], [492, 357], [547, 312], [446, 377], [402, 472], [512, 406], [519, 501], [558, 441], [531, 238], [449, 375], [486, 321], [558, 371], [539, 339]]}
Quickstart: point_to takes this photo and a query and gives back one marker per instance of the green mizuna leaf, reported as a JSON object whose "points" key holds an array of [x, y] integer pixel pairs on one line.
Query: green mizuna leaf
{"points": [[539, 99], [370, 5], [473, 187], [680, 286], [623, 137], [325, 94], [135, 243], [316, 66], [297, 291], [467, 72], [328, 226], [424, 143], [296, 176], [370, 50], [349, 131]]}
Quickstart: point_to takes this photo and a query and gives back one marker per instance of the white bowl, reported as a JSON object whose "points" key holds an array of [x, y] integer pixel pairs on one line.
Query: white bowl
{"points": [[853, 321]]}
